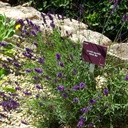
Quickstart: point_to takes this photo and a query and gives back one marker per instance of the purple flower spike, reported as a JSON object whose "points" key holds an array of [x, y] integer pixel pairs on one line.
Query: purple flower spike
{"points": [[17, 65], [75, 100], [74, 71], [105, 92], [92, 101], [59, 75], [76, 87], [39, 70], [85, 110], [61, 64], [82, 85], [47, 78], [91, 125], [27, 93], [23, 122], [37, 96], [60, 88], [38, 87], [41, 60], [35, 44], [28, 70], [81, 9], [126, 78], [52, 25], [80, 123], [58, 56], [33, 33], [3, 44], [64, 95], [17, 88], [20, 21], [124, 17], [29, 50], [114, 6]]}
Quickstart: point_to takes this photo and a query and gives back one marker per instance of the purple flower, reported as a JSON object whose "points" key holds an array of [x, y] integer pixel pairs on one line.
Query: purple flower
{"points": [[51, 107], [41, 104], [64, 95], [91, 125], [61, 64], [38, 87], [85, 110], [92, 101], [60, 88], [23, 122], [29, 50], [75, 100], [74, 71], [28, 70], [59, 75], [114, 6], [2, 115], [17, 65], [71, 57], [35, 44], [36, 78], [9, 60], [26, 54], [50, 16], [9, 104], [47, 77], [76, 87], [82, 118], [17, 88], [5, 66], [38, 70], [80, 123], [52, 25], [26, 32], [20, 21], [33, 33], [3, 44], [58, 56], [27, 93], [37, 96], [37, 28], [126, 78], [82, 85], [124, 17], [81, 9], [105, 92], [41, 60]]}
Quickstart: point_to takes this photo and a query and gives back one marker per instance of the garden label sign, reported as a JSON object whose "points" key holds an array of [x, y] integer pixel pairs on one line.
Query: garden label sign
{"points": [[94, 54]]}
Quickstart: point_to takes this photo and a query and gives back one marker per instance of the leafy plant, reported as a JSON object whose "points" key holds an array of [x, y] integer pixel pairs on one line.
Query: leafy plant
{"points": [[6, 28]]}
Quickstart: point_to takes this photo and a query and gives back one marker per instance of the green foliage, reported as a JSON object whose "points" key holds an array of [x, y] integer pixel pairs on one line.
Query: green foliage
{"points": [[6, 28], [7, 89]]}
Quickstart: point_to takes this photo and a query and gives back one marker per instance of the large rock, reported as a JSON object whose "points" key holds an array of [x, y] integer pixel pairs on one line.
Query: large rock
{"points": [[78, 30], [119, 50]]}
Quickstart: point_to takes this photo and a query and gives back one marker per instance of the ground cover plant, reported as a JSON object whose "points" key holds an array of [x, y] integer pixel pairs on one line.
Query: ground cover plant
{"points": [[68, 95]]}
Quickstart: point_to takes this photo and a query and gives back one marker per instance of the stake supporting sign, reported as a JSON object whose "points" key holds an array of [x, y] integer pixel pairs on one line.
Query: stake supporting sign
{"points": [[94, 54]]}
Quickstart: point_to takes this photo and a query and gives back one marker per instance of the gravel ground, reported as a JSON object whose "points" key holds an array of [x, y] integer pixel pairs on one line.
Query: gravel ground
{"points": [[18, 118]]}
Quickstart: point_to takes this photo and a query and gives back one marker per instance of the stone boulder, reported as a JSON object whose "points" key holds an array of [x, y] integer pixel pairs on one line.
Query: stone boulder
{"points": [[119, 50]]}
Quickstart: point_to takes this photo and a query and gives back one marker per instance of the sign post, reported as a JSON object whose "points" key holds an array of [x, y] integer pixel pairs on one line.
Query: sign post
{"points": [[94, 54]]}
